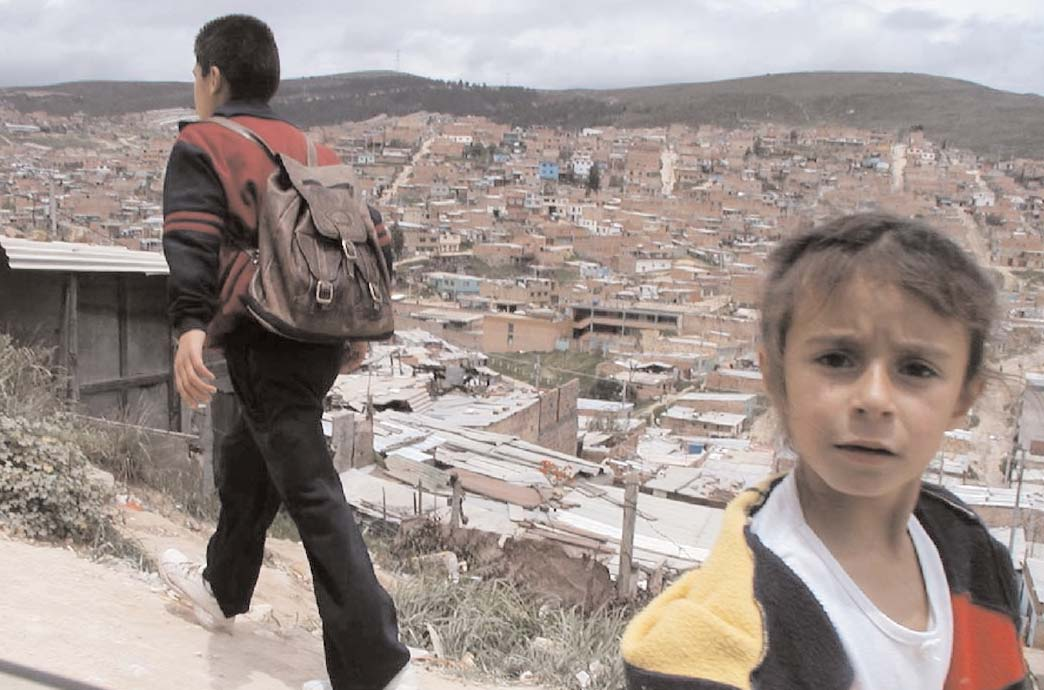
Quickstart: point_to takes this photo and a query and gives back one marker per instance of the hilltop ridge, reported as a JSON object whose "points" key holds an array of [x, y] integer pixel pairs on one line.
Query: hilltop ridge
{"points": [[988, 121]]}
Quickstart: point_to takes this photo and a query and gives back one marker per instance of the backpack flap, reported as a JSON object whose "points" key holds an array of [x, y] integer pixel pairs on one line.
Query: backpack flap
{"points": [[329, 192]]}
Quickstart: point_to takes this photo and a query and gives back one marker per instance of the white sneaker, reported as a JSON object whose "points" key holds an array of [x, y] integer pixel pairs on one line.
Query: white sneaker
{"points": [[317, 685], [405, 680], [186, 579]]}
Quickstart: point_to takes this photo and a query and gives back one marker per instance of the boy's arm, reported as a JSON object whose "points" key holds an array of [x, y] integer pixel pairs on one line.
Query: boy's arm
{"points": [[194, 211]]}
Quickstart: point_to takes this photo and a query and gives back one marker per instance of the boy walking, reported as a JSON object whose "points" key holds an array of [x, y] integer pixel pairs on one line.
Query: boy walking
{"points": [[275, 453]]}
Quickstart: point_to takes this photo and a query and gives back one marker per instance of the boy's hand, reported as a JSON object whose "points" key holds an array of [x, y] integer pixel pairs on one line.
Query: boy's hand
{"points": [[189, 370]]}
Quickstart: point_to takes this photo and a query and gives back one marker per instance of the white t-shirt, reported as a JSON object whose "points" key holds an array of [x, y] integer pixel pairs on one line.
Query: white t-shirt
{"points": [[884, 654]]}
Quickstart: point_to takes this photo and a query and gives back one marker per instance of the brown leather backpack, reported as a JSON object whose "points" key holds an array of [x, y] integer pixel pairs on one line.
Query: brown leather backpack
{"points": [[321, 276]]}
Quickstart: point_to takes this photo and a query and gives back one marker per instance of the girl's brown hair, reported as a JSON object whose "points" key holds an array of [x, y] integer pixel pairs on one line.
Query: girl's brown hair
{"points": [[906, 253]]}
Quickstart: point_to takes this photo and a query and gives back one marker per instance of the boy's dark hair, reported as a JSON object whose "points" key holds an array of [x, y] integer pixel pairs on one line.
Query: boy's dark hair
{"points": [[245, 51], [906, 253]]}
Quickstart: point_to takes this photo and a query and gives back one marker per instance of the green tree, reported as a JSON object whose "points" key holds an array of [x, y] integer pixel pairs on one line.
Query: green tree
{"points": [[398, 240], [594, 179], [607, 389]]}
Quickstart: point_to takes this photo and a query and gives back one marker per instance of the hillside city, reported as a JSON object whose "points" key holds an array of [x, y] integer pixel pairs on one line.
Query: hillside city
{"points": [[574, 307]]}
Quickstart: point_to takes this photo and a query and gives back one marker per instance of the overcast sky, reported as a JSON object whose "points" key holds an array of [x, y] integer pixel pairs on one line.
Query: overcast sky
{"points": [[540, 43]]}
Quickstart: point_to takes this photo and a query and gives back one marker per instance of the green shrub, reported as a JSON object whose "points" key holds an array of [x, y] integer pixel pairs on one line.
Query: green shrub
{"points": [[48, 490]]}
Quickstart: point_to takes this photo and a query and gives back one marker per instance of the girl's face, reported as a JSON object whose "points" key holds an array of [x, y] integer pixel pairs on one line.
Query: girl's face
{"points": [[873, 378]]}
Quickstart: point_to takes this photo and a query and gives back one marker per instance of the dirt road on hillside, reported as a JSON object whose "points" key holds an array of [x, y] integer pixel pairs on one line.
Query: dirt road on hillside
{"points": [[113, 626]]}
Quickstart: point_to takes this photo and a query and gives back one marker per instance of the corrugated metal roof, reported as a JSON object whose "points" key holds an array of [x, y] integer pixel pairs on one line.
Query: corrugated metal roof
{"points": [[999, 496], [383, 389], [74, 257], [1036, 569]]}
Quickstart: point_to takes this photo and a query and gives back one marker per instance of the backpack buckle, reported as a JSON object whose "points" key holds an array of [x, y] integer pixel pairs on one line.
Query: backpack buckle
{"points": [[324, 292], [349, 253]]}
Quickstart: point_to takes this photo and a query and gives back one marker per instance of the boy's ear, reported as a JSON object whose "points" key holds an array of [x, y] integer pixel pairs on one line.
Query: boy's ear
{"points": [[216, 80], [969, 394]]}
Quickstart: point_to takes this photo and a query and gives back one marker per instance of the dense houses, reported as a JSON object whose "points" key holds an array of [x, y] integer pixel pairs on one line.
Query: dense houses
{"points": [[643, 247], [639, 251]]}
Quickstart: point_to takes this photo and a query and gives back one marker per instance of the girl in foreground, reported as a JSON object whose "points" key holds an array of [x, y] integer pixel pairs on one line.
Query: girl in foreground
{"points": [[850, 572]]}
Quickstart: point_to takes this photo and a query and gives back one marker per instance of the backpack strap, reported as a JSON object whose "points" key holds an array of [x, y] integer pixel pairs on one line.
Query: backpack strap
{"points": [[243, 130]]}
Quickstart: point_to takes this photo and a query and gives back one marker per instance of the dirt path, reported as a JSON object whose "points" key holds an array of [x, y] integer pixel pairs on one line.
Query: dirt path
{"points": [[898, 167], [113, 626], [404, 174], [668, 160]]}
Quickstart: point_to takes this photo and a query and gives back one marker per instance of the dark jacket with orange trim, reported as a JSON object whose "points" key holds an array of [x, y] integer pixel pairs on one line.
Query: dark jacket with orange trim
{"points": [[745, 621], [211, 202]]}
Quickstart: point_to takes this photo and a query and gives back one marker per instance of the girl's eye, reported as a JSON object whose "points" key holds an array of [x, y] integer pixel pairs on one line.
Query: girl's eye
{"points": [[918, 370], [835, 360]]}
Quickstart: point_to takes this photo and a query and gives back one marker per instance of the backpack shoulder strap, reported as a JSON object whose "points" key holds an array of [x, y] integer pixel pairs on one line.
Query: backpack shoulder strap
{"points": [[245, 131]]}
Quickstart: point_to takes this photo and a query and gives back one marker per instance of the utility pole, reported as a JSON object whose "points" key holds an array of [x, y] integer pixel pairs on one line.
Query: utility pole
{"points": [[52, 209], [536, 373], [456, 503], [628, 384], [630, 516], [1018, 496]]}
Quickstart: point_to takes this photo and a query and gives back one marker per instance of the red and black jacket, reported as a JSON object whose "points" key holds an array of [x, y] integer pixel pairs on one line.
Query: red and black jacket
{"points": [[211, 201]]}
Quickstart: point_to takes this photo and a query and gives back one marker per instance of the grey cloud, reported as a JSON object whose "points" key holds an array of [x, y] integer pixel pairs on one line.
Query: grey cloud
{"points": [[540, 43], [909, 19]]}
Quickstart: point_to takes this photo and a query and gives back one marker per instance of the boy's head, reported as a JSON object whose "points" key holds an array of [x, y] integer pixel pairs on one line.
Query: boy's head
{"points": [[911, 255], [873, 335], [236, 59]]}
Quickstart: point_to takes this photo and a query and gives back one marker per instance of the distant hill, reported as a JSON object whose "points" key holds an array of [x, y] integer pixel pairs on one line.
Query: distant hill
{"points": [[968, 115]]}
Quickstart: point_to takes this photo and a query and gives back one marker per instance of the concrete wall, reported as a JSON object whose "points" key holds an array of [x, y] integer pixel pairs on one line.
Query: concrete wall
{"points": [[734, 384], [551, 422], [525, 424], [730, 406], [694, 427], [558, 418], [527, 335], [708, 326]]}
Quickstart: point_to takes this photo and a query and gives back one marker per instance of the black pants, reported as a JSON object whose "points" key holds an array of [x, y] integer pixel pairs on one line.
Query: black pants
{"points": [[276, 453]]}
